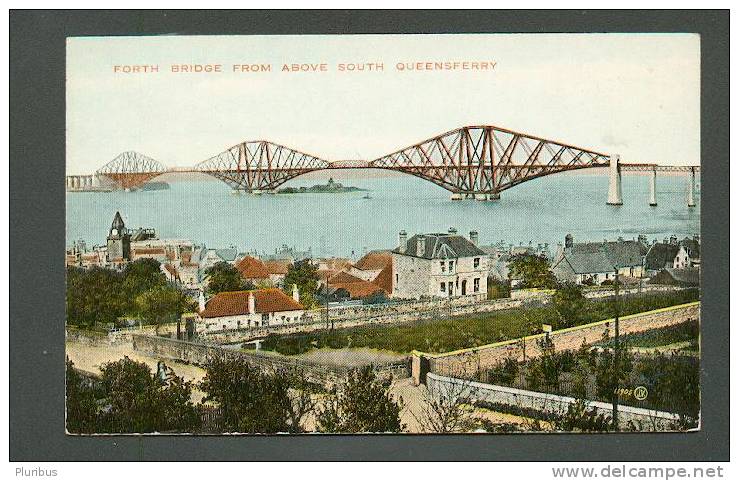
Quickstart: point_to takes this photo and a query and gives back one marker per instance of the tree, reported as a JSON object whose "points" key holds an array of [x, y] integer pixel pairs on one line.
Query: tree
{"points": [[161, 304], [569, 302], [362, 405], [253, 401], [142, 275], [81, 402], [128, 398], [223, 277], [532, 270], [304, 274], [94, 296], [137, 401]]}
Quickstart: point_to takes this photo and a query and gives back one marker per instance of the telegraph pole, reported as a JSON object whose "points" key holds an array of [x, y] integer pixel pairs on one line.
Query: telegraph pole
{"points": [[616, 354]]}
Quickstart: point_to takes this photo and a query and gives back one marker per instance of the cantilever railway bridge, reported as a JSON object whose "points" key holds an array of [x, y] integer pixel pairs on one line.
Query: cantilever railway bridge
{"points": [[477, 161]]}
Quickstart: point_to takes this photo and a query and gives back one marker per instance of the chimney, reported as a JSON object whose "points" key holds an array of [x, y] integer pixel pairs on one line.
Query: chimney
{"points": [[673, 240], [473, 237], [252, 304], [420, 245], [402, 241], [296, 293], [568, 241], [697, 238], [642, 239], [452, 230], [201, 301]]}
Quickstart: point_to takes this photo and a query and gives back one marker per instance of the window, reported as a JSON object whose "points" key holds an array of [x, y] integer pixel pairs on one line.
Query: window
{"points": [[442, 287], [476, 262], [476, 285], [451, 266], [396, 278], [443, 266]]}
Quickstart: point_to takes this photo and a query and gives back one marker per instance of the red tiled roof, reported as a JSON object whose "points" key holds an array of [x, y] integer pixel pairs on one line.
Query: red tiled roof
{"points": [[358, 290], [171, 269], [343, 278], [374, 260], [335, 263], [384, 279], [276, 267], [251, 268], [236, 303], [148, 250]]}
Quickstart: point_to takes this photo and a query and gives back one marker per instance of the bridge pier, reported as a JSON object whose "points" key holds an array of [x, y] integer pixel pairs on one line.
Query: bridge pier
{"points": [[615, 196], [456, 196], [691, 188], [481, 197], [653, 188]]}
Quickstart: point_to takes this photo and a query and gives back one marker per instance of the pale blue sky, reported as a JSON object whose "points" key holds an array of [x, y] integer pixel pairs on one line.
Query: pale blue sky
{"points": [[632, 94]]}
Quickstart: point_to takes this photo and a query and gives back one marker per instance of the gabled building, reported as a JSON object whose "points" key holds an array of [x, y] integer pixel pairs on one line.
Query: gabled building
{"points": [[345, 285], [246, 309], [596, 262], [673, 254], [439, 265]]}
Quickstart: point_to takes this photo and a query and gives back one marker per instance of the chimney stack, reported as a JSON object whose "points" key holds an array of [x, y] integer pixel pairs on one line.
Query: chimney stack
{"points": [[201, 301], [252, 304], [642, 239], [420, 245], [402, 241], [296, 293], [452, 230], [673, 240], [473, 237]]}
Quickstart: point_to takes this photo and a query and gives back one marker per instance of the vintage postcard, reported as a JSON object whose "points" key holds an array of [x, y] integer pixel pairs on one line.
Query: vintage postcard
{"points": [[474, 233]]}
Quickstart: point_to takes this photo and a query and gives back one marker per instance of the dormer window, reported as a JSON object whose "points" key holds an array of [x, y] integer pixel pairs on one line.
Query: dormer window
{"points": [[451, 266], [442, 264], [476, 262]]}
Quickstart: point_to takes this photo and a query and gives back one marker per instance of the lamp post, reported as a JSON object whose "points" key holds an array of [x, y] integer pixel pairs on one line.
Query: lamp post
{"points": [[616, 354]]}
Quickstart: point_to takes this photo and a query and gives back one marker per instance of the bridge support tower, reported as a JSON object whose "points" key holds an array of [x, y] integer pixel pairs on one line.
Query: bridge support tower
{"points": [[691, 188], [614, 182], [653, 188]]}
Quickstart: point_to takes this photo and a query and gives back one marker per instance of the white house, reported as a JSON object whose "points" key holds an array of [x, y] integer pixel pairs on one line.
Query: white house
{"points": [[244, 309], [439, 265]]}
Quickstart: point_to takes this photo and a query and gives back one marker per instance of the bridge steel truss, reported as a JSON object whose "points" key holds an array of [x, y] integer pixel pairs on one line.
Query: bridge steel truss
{"points": [[131, 170], [257, 166], [487, 160]]}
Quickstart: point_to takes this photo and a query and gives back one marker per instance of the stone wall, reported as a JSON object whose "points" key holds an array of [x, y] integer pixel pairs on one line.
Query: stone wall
{"points": [[199, 354], [643, 419], [401, 312], [466, 362]]}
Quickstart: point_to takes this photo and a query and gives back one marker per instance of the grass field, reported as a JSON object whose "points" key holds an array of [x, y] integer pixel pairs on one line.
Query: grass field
{"points": [[448, 334]]}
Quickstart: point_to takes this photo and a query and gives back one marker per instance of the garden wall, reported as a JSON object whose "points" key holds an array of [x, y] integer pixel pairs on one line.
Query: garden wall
{"points": [[199, 354], [643, 419], [465, 363]]}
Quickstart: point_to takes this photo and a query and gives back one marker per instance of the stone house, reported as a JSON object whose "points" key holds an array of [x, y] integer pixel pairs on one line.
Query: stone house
{"points": [[438, 265], [596, 262], [672, 253], [245, 309]]}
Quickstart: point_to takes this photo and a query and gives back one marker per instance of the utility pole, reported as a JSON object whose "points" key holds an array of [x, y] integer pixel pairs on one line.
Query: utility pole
{"points": [[616, 355]]}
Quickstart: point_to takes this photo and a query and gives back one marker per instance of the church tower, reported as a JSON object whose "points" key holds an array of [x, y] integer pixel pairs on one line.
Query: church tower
{"points": [[119, 240]]}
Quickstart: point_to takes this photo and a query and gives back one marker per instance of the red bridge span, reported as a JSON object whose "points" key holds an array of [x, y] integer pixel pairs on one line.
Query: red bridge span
{"points": [[471, 162]]}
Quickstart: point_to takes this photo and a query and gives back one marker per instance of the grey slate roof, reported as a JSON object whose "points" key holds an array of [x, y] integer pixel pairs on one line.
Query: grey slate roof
{"points": [[229, 254], [692, 246], [442, 246], [598, 257], [689, 276], [661, 255]]}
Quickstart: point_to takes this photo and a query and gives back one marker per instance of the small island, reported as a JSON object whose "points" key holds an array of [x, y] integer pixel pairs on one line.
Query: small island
{"points": [[330, 188]]}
